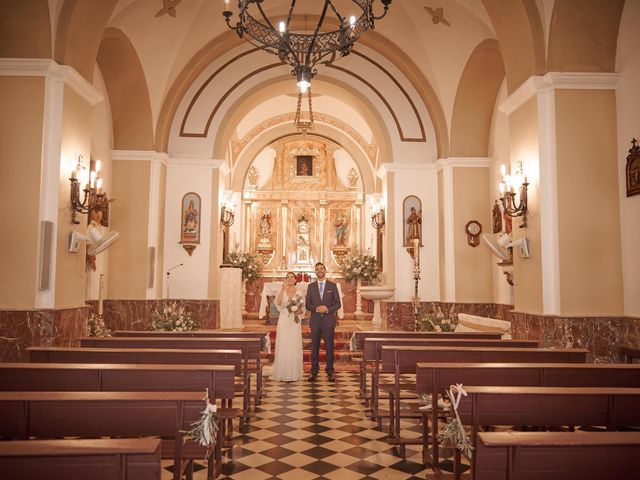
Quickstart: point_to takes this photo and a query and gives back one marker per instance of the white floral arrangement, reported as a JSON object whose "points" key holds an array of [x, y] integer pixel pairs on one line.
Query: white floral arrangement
{"points": [[453, 433], [96, 326], [172, 318], [205, 429], [436, 320], [295, 306], [250, 264], [360, 267]]}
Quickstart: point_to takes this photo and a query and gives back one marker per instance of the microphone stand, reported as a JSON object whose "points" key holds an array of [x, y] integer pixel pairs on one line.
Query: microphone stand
{"points": [[168, 278]]}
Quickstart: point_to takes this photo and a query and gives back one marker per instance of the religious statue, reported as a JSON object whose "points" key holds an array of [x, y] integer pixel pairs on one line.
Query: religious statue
{"points": [[414, 221], [190, 219], [265, 223], [341, 230], [497, 218]]}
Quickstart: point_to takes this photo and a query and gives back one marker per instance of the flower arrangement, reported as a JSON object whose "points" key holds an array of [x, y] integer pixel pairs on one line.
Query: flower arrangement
{"points": [[205, 429], [295, 306], [453, 432], [360, 267], [250, 264], [436, 320], [172, 318], [96, 326]]}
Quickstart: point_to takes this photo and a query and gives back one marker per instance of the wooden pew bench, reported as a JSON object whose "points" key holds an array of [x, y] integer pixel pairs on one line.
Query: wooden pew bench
{"points": [[100, 459], [360, 337], [558, 455], [630, 354], [399, 360], [263, 336], [74, 377], [250, 348], [434, 378], [47, 415], [372, 352], [151, 356]]}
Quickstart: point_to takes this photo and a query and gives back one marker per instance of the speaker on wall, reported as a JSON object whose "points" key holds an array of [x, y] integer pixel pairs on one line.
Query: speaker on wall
{"points": [[46, 240]]}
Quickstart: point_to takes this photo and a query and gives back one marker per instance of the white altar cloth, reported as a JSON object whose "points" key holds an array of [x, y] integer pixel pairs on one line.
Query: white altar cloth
{"points": [[272, 288]]}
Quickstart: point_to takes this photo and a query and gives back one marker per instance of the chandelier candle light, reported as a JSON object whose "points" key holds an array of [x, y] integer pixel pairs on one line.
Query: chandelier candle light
{"points": [[304, 51], [508, 186], [94, 197]]}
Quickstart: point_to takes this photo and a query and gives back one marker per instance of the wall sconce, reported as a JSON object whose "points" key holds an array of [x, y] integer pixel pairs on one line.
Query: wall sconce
{"points": [[510, 186], [94, 198], [227, 217], [378, 221]]}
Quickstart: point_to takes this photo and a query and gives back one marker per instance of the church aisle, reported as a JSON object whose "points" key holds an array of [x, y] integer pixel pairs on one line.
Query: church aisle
{"points": [[305, 431]]}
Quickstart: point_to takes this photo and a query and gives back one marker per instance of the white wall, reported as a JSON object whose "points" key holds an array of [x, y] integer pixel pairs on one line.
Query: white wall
{"points": [[191, 280], [628, 103]]}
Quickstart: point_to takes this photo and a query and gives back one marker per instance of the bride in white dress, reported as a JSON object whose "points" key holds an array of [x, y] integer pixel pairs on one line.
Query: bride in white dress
{"points": [[287, 365]]}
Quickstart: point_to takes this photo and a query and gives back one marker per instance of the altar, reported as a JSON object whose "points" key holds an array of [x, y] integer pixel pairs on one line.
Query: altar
{"points": [[271, 289]]}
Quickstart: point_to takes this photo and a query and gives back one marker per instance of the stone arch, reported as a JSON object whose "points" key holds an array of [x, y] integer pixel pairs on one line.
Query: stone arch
{"points": [[520, 34], [128, 93], [80, 29], [271, 135], [20, 17], [475, 100], [584, 35]]}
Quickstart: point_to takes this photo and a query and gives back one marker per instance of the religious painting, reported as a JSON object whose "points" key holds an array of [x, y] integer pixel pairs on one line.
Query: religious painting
{"points": [[190, 224], [633, 169], [304, 165], [412, 220], [341, 229]]}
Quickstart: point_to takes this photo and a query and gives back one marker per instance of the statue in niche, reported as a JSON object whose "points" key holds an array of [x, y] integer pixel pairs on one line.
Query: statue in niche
{"points": [[414, 221], [497, 218], [341, 230], [265, 224]]}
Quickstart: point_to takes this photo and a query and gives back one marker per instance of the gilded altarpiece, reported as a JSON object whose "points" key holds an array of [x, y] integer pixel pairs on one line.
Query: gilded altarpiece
{"points": [[312, 215]]}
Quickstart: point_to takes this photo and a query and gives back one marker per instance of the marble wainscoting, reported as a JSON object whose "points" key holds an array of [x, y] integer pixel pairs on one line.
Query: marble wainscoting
{"points": [[602, 336], [20, 329], [136, 314], [400, 314]]}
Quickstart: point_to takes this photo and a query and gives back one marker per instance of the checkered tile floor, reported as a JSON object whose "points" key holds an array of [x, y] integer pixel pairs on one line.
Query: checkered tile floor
{"points": [[305, 431]]}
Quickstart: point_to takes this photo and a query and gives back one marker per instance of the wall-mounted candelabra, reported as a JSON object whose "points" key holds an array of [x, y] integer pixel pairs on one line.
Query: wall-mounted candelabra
{"points": [[378, 221], [510, 187], [94, 198]]}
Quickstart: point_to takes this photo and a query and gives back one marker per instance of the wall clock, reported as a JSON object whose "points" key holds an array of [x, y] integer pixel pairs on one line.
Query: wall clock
{"points": [[473, 229]]}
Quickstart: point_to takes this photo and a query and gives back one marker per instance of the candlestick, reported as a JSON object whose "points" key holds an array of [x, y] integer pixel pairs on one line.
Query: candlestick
{"points": [[100, 295]]}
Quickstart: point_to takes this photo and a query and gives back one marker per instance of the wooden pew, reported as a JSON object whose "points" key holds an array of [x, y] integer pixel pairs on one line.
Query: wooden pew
{"points": [[434, 378], [148, 355], [263, 336], [558, 455], [250, 348], [372, 350], [629, 354], [47, 415], [360, 338], [612, 408], [100, 459], [402, 360]]}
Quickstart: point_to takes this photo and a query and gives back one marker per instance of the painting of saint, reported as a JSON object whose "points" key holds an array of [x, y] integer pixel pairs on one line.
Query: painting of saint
{"points": [[304, 166]]}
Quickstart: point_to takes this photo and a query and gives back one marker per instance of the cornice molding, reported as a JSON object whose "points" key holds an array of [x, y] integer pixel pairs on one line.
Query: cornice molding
{"points": [[559, 81], [45, 67], [139, 156], [473, 162], [175, 162], [386, 168]]}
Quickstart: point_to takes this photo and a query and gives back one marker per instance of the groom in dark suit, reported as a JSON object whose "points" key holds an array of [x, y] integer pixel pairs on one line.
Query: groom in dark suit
{"points": [[323, 301]]}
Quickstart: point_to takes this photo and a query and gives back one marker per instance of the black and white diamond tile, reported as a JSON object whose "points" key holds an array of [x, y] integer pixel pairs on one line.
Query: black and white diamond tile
{"points": [[316, 431]]}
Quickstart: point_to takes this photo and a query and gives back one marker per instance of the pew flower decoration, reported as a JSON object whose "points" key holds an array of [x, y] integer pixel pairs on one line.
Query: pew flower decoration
{"points": [[205, 429], [295, 307], [453, 433], [250, 264], [359, 267], [436, 320], [354, 344], [96, 326], [172, 318]]}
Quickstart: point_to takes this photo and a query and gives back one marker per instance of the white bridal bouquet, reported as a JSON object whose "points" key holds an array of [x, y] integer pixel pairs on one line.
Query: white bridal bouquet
{"points": [[295, 306]]}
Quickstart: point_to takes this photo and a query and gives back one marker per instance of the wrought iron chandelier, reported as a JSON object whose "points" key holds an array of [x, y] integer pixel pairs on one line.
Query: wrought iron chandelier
{"points": [[304, 51]]}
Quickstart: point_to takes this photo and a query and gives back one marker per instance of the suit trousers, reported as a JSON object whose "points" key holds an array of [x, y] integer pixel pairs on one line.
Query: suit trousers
{"points": [[322, 327]]}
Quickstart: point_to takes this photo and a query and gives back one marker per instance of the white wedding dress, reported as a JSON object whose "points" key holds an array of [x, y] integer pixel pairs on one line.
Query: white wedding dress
{"points": [[287, 365]]}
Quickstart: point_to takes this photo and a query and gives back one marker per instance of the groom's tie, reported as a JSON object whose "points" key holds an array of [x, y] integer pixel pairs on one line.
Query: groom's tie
{"points": [[321, 288]]}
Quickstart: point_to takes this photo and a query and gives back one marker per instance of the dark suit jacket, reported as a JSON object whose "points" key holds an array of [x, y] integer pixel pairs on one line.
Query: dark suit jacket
{"points": [[331, 299]]}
